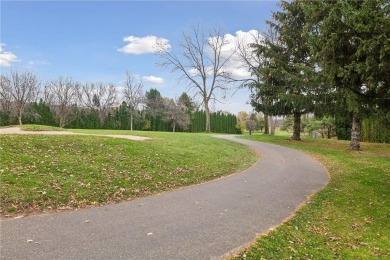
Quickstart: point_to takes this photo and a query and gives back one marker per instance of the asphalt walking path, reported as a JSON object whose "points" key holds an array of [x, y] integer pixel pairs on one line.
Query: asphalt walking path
{"points": [[199, 222]]}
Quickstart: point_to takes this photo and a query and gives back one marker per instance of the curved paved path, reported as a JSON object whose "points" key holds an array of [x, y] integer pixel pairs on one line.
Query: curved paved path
{"points": [[199, 222]]}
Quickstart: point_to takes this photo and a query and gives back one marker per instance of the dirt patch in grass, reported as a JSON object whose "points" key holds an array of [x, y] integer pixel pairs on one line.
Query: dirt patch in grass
{"points": [[17, 130]]}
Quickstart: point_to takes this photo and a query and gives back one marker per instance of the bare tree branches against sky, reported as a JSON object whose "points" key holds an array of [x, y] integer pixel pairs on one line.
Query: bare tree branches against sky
{"points": [[98, 41]]}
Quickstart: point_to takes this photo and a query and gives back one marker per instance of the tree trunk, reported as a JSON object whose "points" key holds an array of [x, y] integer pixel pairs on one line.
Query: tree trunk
{"points": [[62, 122], [131, 121], [20, 120], [273, 125], [174, 127], [355, 133], [297, 127], [20, 116], [101, 119], [266, 124], [207, 110]]}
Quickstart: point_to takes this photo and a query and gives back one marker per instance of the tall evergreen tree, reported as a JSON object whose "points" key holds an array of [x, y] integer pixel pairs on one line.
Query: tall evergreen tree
{"points": [[351, 40], [154, 102], [289, 79], [123, 116], [154, 108]]}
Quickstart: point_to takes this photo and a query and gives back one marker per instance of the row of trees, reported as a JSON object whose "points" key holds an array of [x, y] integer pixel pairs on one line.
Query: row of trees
{"points": [[68, 103], [329, 58], [374, 128]]}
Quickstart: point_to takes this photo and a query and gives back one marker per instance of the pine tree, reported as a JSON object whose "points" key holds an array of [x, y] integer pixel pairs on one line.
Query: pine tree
{"points": [[290, 83], [351, 41]]}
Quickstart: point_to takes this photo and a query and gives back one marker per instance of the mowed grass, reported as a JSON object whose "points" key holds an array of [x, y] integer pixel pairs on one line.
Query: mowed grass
{"points": [[40, 128], [348, 219], [58, 172]]}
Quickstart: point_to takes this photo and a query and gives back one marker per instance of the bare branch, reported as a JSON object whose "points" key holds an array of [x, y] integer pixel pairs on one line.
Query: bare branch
{"points": [[20, 89], [202, 63], [100, 98], [134, 96], [62, 94]]}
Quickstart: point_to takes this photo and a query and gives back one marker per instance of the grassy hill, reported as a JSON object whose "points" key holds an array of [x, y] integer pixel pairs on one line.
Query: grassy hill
{"points": [[57, 172]]}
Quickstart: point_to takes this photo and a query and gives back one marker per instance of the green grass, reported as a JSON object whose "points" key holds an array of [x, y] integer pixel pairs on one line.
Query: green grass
{"points": [[43, 172], [40, 128], [348, 219]]}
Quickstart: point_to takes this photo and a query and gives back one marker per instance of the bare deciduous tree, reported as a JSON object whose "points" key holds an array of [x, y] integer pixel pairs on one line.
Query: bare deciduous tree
{"points": [[252, 124], [63, 94], [251, 59], [19, 89], [176, 113], [202, 63], [134, 96], [47, 94], [154, 103], [5, 95], [99, 98]]}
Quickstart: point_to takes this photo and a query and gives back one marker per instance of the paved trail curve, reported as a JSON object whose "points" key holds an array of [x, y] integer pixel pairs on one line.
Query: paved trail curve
{"points": [[199, 222]]}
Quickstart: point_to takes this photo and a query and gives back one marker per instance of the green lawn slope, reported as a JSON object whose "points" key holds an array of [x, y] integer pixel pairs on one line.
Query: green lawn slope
{"points": [[57, 172], [348, 219]]}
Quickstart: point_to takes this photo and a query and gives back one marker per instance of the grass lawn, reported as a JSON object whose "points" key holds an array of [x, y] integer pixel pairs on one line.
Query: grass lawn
{"points": [[58, 172], [348, 219], [40, 128]]}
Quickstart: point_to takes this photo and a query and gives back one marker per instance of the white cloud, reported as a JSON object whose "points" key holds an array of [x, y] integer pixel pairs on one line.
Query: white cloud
{"points": [[194, 72], [142, 45], [6, 57], [153, 79], [38, 62], [241, 73], [235, 65]]}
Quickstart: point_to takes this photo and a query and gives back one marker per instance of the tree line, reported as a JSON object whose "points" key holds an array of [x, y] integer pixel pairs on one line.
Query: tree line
{"points": [[327, 58], [67, 103]]}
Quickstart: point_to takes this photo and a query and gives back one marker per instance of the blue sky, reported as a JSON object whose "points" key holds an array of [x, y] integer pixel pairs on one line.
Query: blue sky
{"points": [[84, 39]]}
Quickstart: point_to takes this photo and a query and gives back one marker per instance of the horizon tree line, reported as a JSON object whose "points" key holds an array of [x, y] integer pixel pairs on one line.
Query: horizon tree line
{"points": [[330, 59], [63, 101]]}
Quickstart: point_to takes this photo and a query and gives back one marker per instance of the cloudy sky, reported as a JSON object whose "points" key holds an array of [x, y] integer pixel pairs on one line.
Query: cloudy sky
{"points": [[101, 40]]}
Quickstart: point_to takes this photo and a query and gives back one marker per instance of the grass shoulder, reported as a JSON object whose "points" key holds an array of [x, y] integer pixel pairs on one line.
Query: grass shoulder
{"points": [[348, 219], [40, 128]]}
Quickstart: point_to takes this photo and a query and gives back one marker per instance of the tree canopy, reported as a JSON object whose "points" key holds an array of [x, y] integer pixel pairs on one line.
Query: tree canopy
{"points": [[289, 81], [326, 57], [350, 41]]}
